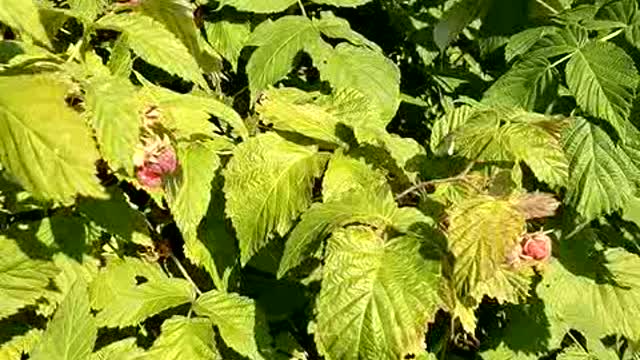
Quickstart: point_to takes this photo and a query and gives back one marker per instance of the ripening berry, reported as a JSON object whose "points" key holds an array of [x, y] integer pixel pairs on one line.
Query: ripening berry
{"points": [[167, 160], [536, 246], [148, 177]]}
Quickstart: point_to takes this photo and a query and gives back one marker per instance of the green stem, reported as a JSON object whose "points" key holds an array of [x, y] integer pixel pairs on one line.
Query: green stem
{"points": [[548, 7], [612, 35], [304, 13], [185, 273], [565, 58]]}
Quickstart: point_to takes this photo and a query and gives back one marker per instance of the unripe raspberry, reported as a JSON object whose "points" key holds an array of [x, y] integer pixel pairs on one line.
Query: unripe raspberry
{"points": [[148, 177], [536, 246]]}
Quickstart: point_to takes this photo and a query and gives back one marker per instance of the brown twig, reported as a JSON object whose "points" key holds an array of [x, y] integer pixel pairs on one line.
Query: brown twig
{"points": [[462, 177]]}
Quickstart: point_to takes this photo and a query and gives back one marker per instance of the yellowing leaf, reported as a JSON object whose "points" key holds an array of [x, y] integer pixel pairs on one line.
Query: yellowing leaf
{"points": [[183, 338], [23, 16], [376, 297], [270, 6], [45, 144], [481, 233]]}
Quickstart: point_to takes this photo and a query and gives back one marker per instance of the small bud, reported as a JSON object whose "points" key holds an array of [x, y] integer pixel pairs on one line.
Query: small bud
{"points": [[148, 177]]}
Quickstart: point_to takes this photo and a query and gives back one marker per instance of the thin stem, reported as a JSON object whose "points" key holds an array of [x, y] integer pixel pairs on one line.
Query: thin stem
{"points": [[304, 13], [462, 177], [185, 273], [577, 342], [548, 7], [565, 58], [612, 35]]}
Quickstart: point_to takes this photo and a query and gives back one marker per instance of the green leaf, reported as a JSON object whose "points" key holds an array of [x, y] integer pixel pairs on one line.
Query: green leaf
{"points": [[268, 183], [271, 6], [373, 207], [120, 350], [155, 44], [188, 114], [461, 14], [19, 345], [23, 16], [278, 43], [294, 110], [342, 3], [603, 78], [120, 62], [177, 17], [46, 144], [520, 43], [576, 352], [623, 14], [597, 299], [631, 211], [369, 72], [236, 318], [502, 352], [88, 10], [376, 296], [129, 225], [122, 302], [228, 38], [528, 84], [115, 116], [183, 338], [441, 141], [22, 280], [600, 175], [72, 332], [189, 200], [346, 174], [481, 233], [338, 28]]}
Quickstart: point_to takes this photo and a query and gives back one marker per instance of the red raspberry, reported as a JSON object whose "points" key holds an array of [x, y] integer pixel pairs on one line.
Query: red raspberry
{"points": [[148, 177], [536, 246], [167, 160]]}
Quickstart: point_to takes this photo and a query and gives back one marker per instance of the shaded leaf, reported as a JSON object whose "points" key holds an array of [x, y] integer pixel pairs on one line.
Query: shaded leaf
{"points": [[23, 16], [183, 338], [228, 38]]}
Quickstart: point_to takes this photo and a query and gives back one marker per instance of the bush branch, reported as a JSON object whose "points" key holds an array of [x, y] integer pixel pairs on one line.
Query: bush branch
{"points": [[462, 177]]}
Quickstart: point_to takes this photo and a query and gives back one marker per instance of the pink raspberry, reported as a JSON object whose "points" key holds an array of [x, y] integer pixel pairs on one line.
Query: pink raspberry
{"points": [[148, 177], [536, 246], [167, 160]]}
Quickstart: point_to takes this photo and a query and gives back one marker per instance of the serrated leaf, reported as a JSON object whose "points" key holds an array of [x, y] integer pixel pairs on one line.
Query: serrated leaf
{"points": [[87, 10], [603, 78], [597, 301], [236, 319], [502, 352], [46, 144], [19, 345], [481, 232], [122, 302], [522, 42], [338, 28], [576, 352], [600, 176], [115, 112], [23, 15], [22, 280], [268, 183], [120, 350], [129, 225], [376, 296], [345, 175], [183, 338], [188, 114], [228, 38], [622, 14], [441, 141], [528, 84], [72, 332], [120, 62], [461, 14], [374, 207], [369, 72], [278, 43], [505, 285], [177, 17], [270, 6], [189, 200], [155, 44]]}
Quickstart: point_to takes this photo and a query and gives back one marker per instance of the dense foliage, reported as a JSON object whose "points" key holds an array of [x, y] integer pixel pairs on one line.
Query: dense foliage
{"points": [[319, 179]]}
